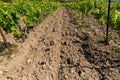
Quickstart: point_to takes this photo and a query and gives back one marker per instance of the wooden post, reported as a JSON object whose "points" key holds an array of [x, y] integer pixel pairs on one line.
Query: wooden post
{"points": [[5, 41], [107, 27]]}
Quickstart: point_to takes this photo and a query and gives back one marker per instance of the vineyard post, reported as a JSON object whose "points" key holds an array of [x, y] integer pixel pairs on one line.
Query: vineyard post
{"points": [[5, 41], [107, 27]]}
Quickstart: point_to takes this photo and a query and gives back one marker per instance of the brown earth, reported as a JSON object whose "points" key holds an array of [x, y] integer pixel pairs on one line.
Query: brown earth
{"points": [[58, 49]]}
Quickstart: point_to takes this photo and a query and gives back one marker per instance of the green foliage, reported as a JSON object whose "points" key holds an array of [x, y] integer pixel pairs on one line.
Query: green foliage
{"points": [[118, 5], [101, 12], [114, 19], [74, 6], [14, 46], [32, 10], [82, 6], [84, 25], [99, 9], [117, 50], [101, 20], [35, 10], [110, 37], [9, 18]]}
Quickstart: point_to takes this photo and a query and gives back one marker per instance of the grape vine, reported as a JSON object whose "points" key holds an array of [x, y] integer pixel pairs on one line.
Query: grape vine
{"points": [[99, 8], [32, 10]]}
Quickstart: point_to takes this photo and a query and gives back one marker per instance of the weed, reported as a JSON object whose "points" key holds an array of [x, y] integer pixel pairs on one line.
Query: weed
{"points": [[110, 37], [14, 46], [8, 55], [117, 50]]}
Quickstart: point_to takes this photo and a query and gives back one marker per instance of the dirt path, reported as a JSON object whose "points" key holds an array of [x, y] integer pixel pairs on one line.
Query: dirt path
{"points": [[55, 50]]}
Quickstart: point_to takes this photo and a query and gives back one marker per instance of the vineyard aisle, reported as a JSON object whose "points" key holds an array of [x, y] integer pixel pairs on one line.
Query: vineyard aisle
{"points": [[58, 49]]}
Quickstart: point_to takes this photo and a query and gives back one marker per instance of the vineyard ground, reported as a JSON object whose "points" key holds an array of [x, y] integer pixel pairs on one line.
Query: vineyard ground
{"points": [[58, 49]]}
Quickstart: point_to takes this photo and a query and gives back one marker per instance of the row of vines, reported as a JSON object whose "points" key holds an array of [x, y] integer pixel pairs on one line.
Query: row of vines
{"points": [[99, 9], [32, 10]]}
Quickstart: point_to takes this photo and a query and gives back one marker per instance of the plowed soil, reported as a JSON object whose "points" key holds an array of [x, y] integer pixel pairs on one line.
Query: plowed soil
{"points": [[58, 49]]}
